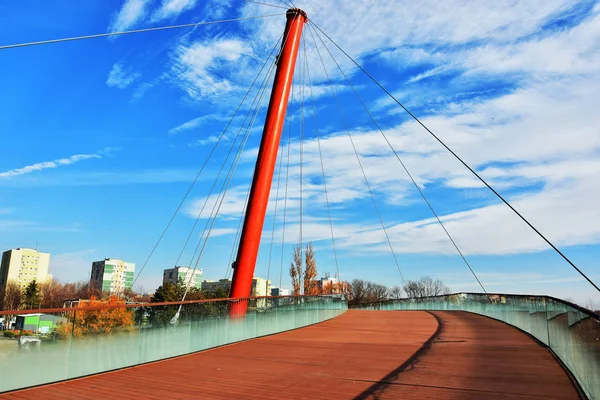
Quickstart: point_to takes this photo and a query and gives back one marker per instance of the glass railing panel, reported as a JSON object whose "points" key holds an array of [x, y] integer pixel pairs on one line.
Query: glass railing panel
{"points": [[167, 333], [572, 333], [81, 341], [30, 345], [575, 338], [102, 339]]}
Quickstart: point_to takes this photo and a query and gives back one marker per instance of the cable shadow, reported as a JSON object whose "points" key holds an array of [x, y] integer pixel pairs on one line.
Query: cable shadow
{"points": [[376, 390]]}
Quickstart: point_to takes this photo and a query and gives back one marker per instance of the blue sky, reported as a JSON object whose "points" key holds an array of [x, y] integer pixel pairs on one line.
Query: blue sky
{"points": [[103, 137]]}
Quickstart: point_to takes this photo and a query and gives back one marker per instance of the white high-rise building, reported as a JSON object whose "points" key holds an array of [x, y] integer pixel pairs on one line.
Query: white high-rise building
{"points": [[24, 266], [280, 292], [187, 275], [260, 286], [112, 276]]}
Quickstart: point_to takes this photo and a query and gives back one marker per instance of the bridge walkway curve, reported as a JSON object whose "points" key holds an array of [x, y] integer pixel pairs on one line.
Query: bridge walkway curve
{"points": [[358, 355]]}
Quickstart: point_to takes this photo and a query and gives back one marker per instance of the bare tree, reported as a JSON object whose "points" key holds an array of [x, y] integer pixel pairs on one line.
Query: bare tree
{"points": [[358, 292], [12, 296], [53, 294], [376, 292], [366, 292], [395, 292], [426, 286], [310, 271], [296, 271], [593, 305]]}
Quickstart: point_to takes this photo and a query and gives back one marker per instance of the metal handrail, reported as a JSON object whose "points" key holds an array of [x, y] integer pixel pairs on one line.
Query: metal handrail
{"points": [[584, 310], [136, 305]]}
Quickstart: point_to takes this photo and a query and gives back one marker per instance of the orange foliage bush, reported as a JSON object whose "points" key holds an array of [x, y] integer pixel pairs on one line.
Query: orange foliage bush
{"points": [[98, 321], [13, 333]]}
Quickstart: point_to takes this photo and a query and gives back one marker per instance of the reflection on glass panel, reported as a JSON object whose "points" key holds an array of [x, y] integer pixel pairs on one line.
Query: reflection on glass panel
{"points": [[43, 347]]}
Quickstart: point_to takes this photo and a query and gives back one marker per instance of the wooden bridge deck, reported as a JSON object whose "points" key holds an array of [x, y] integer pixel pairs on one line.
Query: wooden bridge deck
{"points": [[359, 355]]}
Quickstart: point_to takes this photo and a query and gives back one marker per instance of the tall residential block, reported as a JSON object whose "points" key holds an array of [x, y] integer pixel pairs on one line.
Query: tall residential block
{"points": [[260, 287], [23, 266], [187, 275], [112, 276]]}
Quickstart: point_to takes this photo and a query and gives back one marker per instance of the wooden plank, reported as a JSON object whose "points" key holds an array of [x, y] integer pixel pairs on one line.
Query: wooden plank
{"points": [[361, 354]]}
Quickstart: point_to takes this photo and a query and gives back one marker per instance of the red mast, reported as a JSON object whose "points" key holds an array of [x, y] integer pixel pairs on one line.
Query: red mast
{"points": [[265, 163]]}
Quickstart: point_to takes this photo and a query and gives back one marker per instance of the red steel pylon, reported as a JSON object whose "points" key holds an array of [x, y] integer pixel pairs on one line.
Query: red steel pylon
{"points": [[265, 164]]}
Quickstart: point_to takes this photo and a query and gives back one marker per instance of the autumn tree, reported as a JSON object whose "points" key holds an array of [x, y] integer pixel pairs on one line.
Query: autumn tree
{"points": [[53, 294], [296, 271], [12, 296], [102, 321], [310, 271], [424, 287], [83, 290], [136, 296]]}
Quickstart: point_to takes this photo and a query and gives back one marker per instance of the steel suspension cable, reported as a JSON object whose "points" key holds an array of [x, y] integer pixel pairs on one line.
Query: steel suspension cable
{"points": [[479, 177], [259, 96], [275, 211], [236, 241], [232, 145], [190, 188], [158, 28], [224, 190], [265, 4], [322, 169], [235, 165], [358, 159], [285, 197], [239, 229], [289, 3], [301, 125], [402, 163], [214, 215]]}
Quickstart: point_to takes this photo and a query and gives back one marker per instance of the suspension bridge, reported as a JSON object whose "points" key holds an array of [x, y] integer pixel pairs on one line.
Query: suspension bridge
{"points": [[462, 345]]}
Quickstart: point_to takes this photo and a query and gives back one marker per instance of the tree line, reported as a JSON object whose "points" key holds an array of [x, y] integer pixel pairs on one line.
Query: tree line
{"points": [[362, 291], [53, 294], [44, 295], [303, 274]]}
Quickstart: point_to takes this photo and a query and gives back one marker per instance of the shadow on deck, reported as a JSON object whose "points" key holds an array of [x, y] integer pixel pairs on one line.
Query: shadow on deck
{"points": [[359, 355]]}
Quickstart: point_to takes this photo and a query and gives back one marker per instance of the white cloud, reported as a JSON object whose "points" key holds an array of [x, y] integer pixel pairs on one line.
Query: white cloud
{"points": [[131, 13], [562, 213], [118, 77], [426, 23], [222, 232], [557, 150], [209, 140], [196, 122], [172, 8], [539, 132], [48, 165], [187, 125], [196, 65], [578, 49], [304, 92]]}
